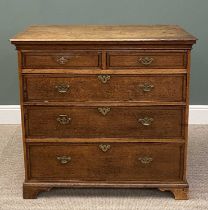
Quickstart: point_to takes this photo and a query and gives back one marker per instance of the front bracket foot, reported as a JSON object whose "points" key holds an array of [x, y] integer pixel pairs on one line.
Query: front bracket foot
{"points": [[179, 193], [31, 192]]}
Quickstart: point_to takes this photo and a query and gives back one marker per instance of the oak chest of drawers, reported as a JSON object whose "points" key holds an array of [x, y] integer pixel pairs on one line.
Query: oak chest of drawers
{"points": [[104, 106]]}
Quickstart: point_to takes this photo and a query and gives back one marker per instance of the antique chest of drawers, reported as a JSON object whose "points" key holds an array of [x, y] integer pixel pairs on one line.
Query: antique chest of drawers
{"points": [[104, 106]]}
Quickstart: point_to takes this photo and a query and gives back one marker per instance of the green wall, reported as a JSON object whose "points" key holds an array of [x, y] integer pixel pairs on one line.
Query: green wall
{"points": [[17, 14]]}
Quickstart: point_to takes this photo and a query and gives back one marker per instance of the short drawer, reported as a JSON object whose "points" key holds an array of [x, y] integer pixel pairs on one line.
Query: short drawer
{"points": [[78, 88], [62, 60], [105, 121], [106, 161], [141, 60]]}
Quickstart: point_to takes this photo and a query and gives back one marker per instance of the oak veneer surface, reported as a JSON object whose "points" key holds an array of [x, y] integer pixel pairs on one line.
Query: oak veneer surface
{"points": [[80, 88], [72, 59], [167, 122], [120, 162], [104, 33], [104, 106], [132, 59]]}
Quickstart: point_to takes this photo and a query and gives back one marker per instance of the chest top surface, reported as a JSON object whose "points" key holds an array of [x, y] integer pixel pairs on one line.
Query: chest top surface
{"points": [[137, 33]]}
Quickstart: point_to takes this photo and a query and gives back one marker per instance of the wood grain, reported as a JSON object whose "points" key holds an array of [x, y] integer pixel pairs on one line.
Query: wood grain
{"points": [[71, 59], [104, 33], [82, 88], [120, 121], [131, 59], [121, 162], [67, 110], [104, 71]]}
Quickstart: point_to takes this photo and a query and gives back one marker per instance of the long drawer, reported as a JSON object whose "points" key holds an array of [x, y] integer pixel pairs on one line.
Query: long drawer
{"points": [[106, 161], [149, 88], [105, 121]]}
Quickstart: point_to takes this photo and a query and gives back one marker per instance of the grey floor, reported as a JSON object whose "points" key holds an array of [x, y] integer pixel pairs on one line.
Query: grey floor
{"points": [[12, 175]]}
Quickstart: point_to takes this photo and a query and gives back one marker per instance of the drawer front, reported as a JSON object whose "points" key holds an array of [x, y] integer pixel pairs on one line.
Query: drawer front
{"points": [[105, 88], [106, 161], [71, 59], [141, 60], [105, 121]]}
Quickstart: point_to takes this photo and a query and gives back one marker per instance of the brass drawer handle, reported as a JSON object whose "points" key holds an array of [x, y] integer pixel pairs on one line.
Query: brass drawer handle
{"points": [[104, 147], [146, 121], [63, 119], [146, 87], [62, 88], [63, 159], [104, 110], [104, 78], [146, 60], [145, 160], [62, 59]]}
